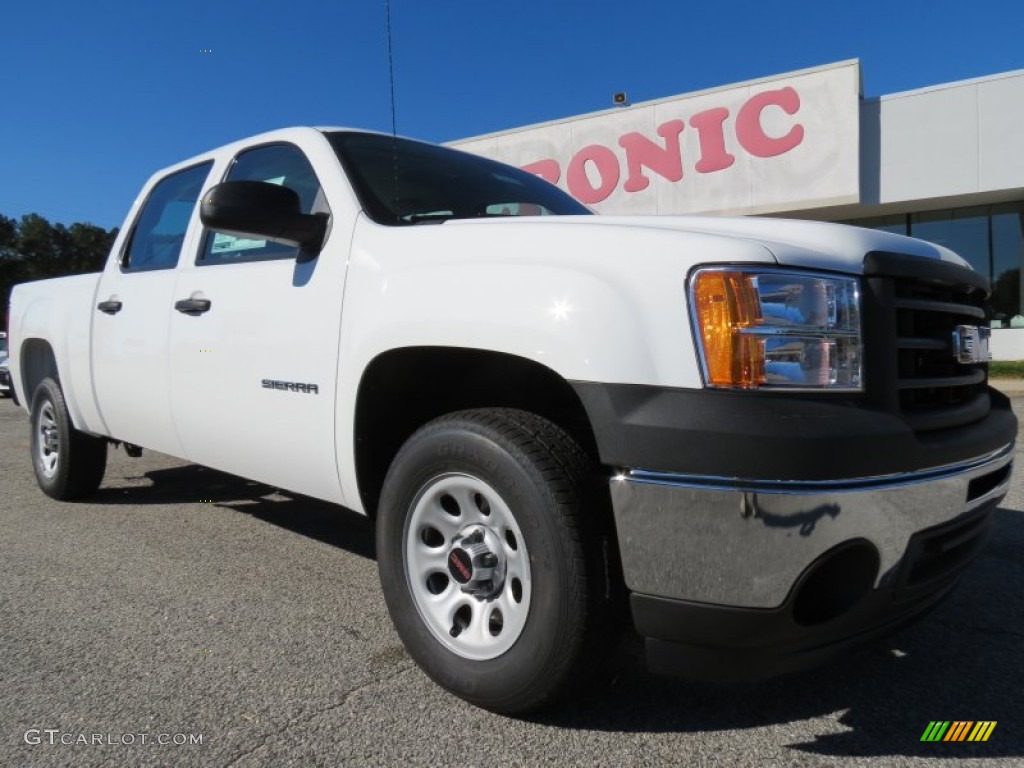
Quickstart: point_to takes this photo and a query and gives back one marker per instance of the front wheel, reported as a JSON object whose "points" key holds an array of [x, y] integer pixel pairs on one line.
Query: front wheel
{"points": [[486, 559], [68, 464]]}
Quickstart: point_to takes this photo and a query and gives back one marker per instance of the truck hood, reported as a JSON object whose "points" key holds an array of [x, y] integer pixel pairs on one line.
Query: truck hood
{"points": [[793, 243]]}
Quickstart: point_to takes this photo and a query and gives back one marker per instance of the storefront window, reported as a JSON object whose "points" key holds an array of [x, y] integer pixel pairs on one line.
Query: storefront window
{"points": [[1007, 258], [990, 237], [964, 230], [896, 224]]}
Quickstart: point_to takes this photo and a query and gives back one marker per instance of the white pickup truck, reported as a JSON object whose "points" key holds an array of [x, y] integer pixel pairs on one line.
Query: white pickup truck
{"points": [[766, 440]]}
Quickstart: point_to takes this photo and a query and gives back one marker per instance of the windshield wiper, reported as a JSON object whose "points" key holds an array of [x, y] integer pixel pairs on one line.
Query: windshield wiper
{"points": [[440, 218], [428, 218]]}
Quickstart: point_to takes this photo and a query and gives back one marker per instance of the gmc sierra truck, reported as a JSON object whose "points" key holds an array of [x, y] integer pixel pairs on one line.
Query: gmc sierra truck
{"points": [[762, 440]]}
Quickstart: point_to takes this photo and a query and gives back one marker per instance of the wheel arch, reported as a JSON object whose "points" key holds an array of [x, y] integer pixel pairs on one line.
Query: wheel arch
{"points": [[36, 361], [403, 389]]}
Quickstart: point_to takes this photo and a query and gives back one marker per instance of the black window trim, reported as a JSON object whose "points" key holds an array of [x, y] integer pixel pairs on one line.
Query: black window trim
{"points": [[133, 230], [293, 254]]}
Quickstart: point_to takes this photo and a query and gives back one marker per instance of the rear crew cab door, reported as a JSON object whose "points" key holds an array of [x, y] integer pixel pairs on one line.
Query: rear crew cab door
{"points": [[132, 317], [253, 374]]}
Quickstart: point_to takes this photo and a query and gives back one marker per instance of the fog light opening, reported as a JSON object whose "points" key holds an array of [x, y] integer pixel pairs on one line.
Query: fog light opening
{"points": [[835, 583]]}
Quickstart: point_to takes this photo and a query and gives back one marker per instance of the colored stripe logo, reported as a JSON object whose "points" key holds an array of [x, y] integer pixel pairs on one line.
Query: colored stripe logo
{"points": [[959, 730]]}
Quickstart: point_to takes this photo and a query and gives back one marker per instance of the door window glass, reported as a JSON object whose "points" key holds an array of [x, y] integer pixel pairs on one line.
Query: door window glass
{"points": [[159, 232], [283, 164]]}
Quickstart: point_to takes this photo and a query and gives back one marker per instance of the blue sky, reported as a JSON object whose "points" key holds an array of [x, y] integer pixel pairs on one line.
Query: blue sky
{"points": [[96, 96]]}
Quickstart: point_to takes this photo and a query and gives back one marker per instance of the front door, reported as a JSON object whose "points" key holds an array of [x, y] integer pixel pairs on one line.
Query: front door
{"points": [[132, 320], [253, 365]]}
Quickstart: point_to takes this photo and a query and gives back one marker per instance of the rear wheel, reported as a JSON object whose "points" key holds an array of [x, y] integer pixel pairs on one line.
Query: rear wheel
{"points": [[68, 464], [487, 562]]}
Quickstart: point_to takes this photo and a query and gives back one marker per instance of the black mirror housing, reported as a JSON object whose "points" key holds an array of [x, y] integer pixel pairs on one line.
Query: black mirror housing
{"points": [[262, 209]]}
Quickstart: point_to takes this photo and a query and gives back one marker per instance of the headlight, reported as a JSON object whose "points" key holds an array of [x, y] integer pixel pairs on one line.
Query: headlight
{"points": [[767, 329]]}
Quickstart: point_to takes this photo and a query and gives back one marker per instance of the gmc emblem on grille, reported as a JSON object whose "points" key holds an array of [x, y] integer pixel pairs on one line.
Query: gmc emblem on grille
{"points": [[970, 344]]}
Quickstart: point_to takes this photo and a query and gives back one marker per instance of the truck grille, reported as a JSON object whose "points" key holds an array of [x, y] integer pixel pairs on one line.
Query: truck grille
{"points": [[914, 308]]}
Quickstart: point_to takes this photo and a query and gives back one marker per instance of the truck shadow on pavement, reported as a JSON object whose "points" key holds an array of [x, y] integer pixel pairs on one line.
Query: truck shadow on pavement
{"points": [[964, 661], [320, 520]]}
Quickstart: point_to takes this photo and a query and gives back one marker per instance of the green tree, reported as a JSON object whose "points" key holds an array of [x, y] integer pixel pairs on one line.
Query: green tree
{"points": [[8, 235], [35, 246], [89, 247], [33, 249], [1006, 295]]}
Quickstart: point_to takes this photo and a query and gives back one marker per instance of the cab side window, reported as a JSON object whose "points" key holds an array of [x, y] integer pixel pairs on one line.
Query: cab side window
{"points": [[283, 164], [159, 231]]}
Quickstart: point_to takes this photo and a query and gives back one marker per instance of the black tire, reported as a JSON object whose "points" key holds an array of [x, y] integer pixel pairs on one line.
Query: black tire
{"points": [[68, 464], [540, 477]]}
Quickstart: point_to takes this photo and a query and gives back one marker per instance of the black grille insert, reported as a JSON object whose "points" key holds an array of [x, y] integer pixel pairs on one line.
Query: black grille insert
{"points": [[979, 486], [920, 303]]}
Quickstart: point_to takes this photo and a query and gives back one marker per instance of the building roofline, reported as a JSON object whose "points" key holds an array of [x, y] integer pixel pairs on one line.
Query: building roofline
{"points": [[663, 100], [945, 86]]}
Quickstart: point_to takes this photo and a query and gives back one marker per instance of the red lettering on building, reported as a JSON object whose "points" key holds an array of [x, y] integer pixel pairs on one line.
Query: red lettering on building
{"points": [[607, 165], [665, 158], [546, 169], [641, 152], [711, 134], [750, 130]]}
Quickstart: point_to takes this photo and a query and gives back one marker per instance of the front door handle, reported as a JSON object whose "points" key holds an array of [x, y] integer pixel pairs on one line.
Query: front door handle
{"points": [[110, 307], [193, 306]]}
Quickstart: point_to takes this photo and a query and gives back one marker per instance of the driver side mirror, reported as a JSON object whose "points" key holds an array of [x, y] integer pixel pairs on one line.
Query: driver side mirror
{"points": [[262, 209]]}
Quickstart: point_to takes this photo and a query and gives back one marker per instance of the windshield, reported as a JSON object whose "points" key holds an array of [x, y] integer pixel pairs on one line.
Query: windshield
{"points": [[399, 181]]}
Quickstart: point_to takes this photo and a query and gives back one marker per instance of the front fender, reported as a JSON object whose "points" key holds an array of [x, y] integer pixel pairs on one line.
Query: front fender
{"points": [[591, 303]]}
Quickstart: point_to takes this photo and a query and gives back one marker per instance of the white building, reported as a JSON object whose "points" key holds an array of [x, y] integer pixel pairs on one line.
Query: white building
{"points": [[942, 163]]}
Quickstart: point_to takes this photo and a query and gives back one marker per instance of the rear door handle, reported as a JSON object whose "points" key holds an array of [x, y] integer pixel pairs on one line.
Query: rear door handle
{"points": [[193, 306], [110, 307]]}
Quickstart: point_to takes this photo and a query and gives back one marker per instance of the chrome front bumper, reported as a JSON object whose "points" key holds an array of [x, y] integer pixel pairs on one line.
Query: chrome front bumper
{"points": [[746, 543]]}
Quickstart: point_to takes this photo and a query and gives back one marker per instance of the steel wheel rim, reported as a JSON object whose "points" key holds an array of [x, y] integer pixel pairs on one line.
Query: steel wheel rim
{"points": [[47, 440], [477, 626]]}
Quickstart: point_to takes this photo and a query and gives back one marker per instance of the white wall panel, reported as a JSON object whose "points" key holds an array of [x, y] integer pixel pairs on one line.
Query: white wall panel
{"points": [[947, 141], [1000, 123], [929, 144]]}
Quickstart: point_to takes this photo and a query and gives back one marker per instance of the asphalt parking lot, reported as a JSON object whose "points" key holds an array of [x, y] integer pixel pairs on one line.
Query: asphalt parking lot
{"points": [[184, 603]]}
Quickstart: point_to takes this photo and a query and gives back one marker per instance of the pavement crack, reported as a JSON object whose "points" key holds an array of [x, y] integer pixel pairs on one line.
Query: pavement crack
{"points": [[303, 717], [348, 696], [251, 751]]}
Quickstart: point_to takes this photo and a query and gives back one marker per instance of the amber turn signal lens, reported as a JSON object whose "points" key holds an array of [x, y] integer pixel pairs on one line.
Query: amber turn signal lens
{"points": [[726, 303]]}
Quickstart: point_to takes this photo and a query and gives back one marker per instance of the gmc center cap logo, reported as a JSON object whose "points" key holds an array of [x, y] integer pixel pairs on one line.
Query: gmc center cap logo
{"points": [[970, 344], [460, 565]]}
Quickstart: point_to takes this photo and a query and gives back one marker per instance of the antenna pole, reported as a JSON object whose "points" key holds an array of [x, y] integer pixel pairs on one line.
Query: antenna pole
{"points": [[391, 69], [394, 124]]}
